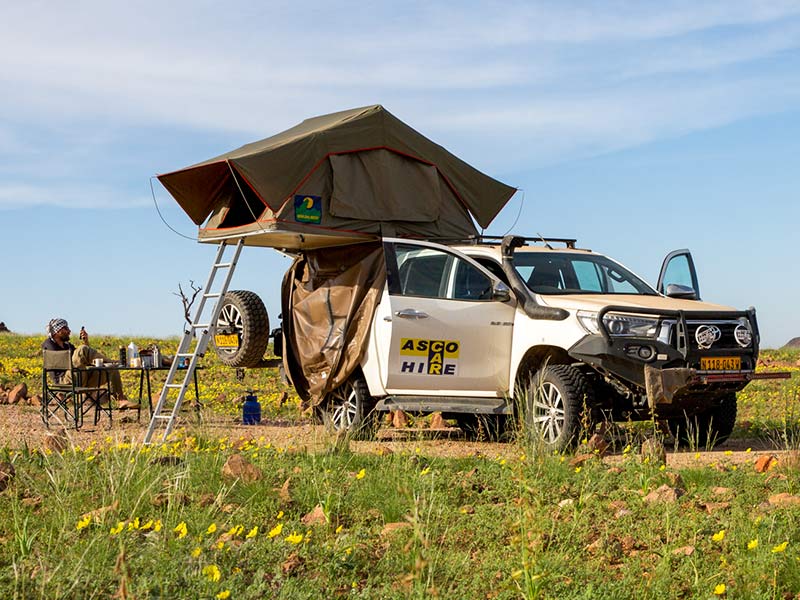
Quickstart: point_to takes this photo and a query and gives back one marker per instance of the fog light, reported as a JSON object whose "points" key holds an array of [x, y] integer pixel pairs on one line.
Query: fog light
{"points": [[645, 353], [743, 335]]}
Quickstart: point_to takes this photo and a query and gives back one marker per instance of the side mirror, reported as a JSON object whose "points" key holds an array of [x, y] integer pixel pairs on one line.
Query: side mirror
{"points": [[501, 292], [675, 290]]}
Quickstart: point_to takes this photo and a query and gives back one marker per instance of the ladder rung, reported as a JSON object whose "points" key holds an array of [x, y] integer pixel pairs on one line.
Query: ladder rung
{"points": [[201, 325], [223, 265], [212, 295], [162, 416], [185, 354], [174, 385]]}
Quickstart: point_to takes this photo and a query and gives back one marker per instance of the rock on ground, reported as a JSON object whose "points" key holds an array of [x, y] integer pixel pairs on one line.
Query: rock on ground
{"points": [[238, 467]]}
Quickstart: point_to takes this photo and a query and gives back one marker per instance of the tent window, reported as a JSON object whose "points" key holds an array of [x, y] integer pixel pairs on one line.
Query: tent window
{"points": [[380, 185]]}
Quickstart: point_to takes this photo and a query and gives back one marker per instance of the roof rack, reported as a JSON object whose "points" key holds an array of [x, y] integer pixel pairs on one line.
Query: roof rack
{"points": [[568, 242]]}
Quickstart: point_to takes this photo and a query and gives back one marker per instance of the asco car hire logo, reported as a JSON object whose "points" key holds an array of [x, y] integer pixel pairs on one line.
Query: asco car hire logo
{"points": [[429, 357]]}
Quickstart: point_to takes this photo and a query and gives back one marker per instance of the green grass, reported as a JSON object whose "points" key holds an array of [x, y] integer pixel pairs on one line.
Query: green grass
{"points": [[522, 527], [526, 526]]}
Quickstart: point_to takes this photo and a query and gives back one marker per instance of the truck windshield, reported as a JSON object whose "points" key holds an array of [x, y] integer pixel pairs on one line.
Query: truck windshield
{"points": [[567, 273]]}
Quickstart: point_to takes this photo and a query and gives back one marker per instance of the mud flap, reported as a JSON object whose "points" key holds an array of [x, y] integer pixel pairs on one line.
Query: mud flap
{"points": [[662, 384]]}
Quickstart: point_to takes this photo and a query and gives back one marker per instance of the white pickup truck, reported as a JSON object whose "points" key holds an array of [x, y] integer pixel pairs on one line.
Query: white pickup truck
{"points": [[554, 338]]}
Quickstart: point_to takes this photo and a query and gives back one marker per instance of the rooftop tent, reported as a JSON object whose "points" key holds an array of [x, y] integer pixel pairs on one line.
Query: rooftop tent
{"points": [[337, 179]]}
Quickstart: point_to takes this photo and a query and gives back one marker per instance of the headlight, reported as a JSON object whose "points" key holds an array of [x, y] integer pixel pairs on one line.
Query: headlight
{"points": [[620, 325]]}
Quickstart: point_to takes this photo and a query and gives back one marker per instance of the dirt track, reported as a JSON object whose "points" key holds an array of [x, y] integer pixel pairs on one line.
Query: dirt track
{"points": [[21, 425]]}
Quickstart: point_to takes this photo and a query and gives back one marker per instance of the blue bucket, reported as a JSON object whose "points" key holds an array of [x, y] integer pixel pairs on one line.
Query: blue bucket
{"points": [[251, 410]]}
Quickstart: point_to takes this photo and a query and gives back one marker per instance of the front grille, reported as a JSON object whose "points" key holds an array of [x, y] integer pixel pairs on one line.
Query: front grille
{"points": [[726, 340]]}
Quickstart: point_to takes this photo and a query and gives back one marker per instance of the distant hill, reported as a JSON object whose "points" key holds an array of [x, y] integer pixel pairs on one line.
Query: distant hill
{"points": [[793, 343]]}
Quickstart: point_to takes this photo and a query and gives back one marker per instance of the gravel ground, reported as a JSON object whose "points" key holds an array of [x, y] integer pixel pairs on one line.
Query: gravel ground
{"points": [[22, 425]]}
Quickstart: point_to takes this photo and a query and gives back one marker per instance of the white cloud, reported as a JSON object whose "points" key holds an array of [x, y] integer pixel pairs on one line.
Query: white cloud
{"points": [[556, 80]]}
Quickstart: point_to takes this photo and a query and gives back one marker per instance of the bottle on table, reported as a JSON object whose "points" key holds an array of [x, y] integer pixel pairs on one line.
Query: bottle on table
{"points": [[132, 353]]}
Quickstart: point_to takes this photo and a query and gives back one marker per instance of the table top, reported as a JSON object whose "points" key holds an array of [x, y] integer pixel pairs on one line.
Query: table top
{"points": [[120, 367]]}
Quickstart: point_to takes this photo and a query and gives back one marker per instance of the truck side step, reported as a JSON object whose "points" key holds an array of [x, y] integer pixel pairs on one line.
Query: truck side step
{"points": [[449, 404]]}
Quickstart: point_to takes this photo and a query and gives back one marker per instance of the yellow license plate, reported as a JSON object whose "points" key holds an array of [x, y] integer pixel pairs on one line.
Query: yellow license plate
{"points": [[226, 340], [721, 363]]}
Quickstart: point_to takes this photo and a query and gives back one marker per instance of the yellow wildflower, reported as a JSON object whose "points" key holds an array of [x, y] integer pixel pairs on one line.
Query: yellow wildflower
{"points": [[339, 529], [425, 471], [132, 525], [780, 547], [196, 552], [212, 572], [147, 525], [211, 528], [181, 529], [223, 595], [752, 544], [361, 474], [719, 536], [577, 469], [294, 538], [84, 522], [719, 589], [115, 530], [280, 514], [157, 524], [252, 533], [275, 531]]}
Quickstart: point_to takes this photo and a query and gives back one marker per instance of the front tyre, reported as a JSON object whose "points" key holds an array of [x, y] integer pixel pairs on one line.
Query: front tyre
{"points": [[554, 402], [349, 409]]}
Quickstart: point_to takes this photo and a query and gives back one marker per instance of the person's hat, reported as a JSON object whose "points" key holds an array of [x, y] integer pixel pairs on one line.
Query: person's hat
{"points": [[55, 325]]}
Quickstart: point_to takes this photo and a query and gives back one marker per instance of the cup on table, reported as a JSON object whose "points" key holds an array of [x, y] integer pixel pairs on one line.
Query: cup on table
{"points": [[137, 362], [98, 362]]}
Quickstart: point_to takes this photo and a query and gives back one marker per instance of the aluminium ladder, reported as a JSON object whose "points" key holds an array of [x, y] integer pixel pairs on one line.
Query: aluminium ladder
{"points": [[162, 413]]}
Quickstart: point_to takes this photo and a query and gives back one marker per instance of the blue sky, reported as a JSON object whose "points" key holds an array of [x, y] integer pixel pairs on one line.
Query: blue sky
{"points": [[636, 127]]}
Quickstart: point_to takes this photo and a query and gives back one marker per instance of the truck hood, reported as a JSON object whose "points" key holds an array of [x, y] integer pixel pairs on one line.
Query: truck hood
{"points": [[595, 302]]}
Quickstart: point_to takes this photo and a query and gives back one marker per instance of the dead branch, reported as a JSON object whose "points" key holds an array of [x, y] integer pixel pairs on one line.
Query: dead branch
{"points": [[188, 302]]}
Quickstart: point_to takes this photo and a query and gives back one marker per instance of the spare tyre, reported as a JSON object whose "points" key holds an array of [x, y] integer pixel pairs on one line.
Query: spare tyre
{"points": [[242, 329]]}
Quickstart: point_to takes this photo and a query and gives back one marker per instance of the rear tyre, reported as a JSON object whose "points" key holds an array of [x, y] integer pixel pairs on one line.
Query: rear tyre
{"points": [[706, 429], [349, 409], [243, 313], [554, 404]]}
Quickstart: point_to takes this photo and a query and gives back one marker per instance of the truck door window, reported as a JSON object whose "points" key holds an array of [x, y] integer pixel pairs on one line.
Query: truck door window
{"points": [[422, 271], [470, 283]]}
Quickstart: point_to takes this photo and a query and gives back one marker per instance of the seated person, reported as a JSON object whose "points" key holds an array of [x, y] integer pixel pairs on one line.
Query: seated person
{"points": [[83, 356]]}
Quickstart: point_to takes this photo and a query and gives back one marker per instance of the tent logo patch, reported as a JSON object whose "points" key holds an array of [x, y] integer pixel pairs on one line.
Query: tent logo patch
{"points": [[429, 357], [308, 209]]}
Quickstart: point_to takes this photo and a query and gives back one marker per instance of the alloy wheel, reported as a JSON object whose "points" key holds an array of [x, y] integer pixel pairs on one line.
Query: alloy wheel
{"points": [[548, 412]]}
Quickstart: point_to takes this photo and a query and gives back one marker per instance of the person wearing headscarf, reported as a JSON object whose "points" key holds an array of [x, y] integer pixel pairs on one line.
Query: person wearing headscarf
{"points": [[58, 333]]}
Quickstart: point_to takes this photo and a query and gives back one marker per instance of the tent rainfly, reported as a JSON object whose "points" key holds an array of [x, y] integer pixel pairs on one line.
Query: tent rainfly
{"points": [[337, 179]]}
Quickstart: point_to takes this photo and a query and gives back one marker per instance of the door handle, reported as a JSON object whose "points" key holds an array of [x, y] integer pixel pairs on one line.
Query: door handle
{"points": [[410, 313]]}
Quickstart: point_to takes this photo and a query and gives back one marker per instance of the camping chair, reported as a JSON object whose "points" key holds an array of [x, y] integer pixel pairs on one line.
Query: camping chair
{"points": [[63, 392]]}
